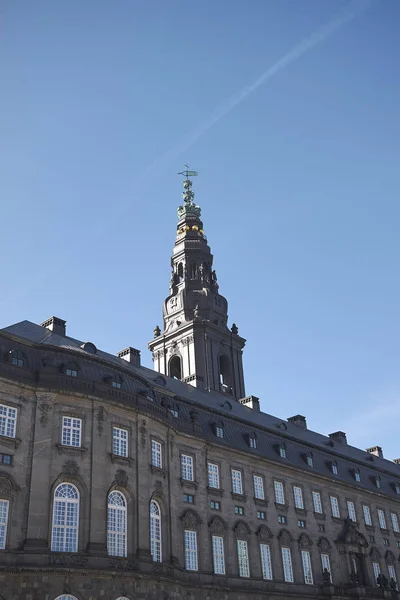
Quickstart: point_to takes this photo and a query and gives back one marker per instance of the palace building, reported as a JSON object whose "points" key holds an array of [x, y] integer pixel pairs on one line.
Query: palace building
{"points": [[119, 482]]}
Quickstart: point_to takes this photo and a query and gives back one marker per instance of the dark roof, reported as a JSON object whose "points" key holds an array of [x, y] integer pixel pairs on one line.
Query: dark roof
{"points": [[211, 407]]}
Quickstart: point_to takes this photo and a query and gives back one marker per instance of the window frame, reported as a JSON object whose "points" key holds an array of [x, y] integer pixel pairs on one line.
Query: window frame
{"points": [[188, 468], [395, 522], [335, 506], [287, 566], [279, 485], [191, 554], [155, 531], [266, 565], [213, 464], [55, 527], [317, 502], [218, 554], [381, 519], [4, 519], [8, 419], [307, 574], [237, 482], [353, 505], [242, 548], [118, 428], [116, 535], [71, 429], [260, 486], [156, 449], [367, 511], [326, 563], [299, 496]]}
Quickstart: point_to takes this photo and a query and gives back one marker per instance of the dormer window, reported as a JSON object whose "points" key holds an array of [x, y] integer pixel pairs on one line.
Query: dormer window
{"points": [[377, 481], [334, 467], [71, 369], [219, 429], [116, 382], [150, 395], [310, 459], [282, 450], [397, 487], [252, 440], [17, 358], [356, 475], [174, 411]]}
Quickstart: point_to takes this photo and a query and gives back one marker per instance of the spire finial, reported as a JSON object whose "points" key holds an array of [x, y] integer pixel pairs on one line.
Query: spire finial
{"points": [[188, 194]]}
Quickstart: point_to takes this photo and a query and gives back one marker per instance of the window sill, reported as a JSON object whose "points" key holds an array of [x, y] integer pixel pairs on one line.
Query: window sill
{"points": [[282, 507], [320, 516], [261, 501], [158, 471], [121, 460], [189, 483], [337, 520], [9, 441], [301, 511], [71, 450], [239, 497], [369, 527], [215, 491]]}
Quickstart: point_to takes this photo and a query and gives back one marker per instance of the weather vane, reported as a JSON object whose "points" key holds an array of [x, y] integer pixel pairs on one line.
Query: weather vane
{"points": [[187, 173]]}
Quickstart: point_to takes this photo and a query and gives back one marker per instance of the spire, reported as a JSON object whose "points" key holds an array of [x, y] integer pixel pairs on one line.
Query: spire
{"points": [[196, 344]]}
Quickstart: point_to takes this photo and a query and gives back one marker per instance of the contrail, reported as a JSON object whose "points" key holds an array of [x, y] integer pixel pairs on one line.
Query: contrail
{"points": [[355, 8]]}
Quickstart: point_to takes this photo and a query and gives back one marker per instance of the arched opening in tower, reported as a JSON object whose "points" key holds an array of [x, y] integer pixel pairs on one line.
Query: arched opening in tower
{"points": [[225, 374], [180, 272], [175, 367]]}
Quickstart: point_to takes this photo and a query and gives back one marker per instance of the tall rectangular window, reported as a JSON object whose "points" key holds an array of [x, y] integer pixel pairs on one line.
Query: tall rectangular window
{"points": [[307, 570], [266, 563], [243, 558], [335, 507], [237, 485], [367, 515], [71, 432], [279, 492], [156, 454], [392, 572], [187, 467], [191, 563], [213, 475], [395, 522], [377, 570], [298, 497], [218, 554], [287, 565], [317, 503], [351, 509], [258, 487], [8, 420], [326, 564], [120, 441], [381, 519], [4, 505]]}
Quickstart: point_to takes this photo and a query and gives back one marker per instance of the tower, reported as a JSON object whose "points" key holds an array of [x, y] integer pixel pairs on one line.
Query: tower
{"points": [[196, 345]]}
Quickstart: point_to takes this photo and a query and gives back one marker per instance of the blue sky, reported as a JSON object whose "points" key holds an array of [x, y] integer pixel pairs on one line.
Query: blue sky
{"points": [[101, 104]]}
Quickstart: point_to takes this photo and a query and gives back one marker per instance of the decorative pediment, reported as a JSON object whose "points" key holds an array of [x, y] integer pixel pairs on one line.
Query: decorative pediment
{"points": [[264, 534], [390, 557], [217, 525], [375, 554], [324, 544], [191, 520], [285, 537], [351, 536], [305, 541], [7, 486], [241, 529]]}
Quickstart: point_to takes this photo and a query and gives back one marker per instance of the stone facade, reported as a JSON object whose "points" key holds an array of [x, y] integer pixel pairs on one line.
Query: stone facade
{"points": [[78, 420]]}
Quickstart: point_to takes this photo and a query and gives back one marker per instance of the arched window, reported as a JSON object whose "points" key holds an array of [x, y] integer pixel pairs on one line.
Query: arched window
{"points": [[66, 597], [175, 367], [116, 524], [155, 531], [225, 375], [180, 272], [65, 518], [17, 358]]}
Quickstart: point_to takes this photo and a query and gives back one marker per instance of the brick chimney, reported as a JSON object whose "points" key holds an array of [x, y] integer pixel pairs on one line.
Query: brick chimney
{"points": [[55, 325], [376, 451], [338, 436], [131, 355], [299, 421]]}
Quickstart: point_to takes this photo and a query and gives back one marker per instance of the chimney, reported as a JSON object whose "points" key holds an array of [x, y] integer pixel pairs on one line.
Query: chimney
{"points": [[55, 325], [338, 436], [251, 402], [397, 461], [299, 421], [131, 355], [376, 451]]}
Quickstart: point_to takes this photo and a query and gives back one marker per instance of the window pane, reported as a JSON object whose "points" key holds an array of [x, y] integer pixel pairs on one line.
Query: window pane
{"points": [[298, 497], [187, 467], [213, 475], [287, 564], [317, 502], [395, 522], [326, 563], [335, 507], [120, 441], [258, 487], [155, 531], [71, 432], [191, 550], [218, 555], [116, 524], [237, 487], [65, 519], [279, 494], [266, 561], [306, 560], [381, 518], [156, 456], [351, 510], [8, 420], [243, 558], [367, 515], [4, 505]]}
